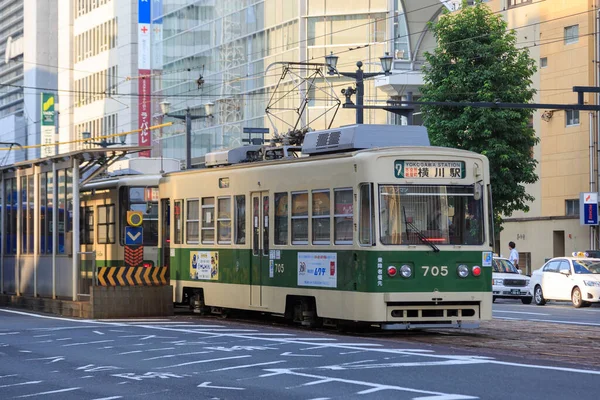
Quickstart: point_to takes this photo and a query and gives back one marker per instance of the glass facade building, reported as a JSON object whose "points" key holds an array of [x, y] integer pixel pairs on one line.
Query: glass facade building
{"points": [[232, 54]]}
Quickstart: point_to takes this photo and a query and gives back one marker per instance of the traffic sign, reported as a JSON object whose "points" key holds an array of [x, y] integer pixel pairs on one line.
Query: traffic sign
{"points": [[135, 218], [133, 236]]}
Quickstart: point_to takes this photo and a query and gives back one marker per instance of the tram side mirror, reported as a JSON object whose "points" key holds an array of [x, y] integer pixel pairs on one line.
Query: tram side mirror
{"points": [[477, 191]]}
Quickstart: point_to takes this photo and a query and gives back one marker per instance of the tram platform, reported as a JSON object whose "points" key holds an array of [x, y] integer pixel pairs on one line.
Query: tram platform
{"points": [[103, 302]]}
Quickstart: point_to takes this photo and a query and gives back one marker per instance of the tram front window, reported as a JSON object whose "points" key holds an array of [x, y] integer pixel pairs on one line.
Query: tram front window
{"points": [[442, 215]]}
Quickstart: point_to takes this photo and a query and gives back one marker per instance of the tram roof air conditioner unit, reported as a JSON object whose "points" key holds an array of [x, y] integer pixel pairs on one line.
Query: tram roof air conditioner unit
{"points": [[357, 137], [233, 156]]}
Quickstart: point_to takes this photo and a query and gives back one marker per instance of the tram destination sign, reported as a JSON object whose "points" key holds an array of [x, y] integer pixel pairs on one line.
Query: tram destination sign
{"points": [[415, 169]]}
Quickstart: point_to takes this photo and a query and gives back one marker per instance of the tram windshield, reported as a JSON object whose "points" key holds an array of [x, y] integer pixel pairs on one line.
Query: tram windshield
{"points": [[433, 215]]}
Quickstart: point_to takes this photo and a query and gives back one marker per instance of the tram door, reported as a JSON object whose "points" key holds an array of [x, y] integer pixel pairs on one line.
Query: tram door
{"points": [[165, 207], [260, 245]]}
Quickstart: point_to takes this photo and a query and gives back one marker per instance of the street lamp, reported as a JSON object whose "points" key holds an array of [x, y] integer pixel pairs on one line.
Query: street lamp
{"points": [[165, 107], [102, 143], [386, 64]]}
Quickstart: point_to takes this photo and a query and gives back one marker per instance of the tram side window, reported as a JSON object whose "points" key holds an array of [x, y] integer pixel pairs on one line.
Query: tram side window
{"points": [[177, 216], [106, 224], [321, 217], [300, 218], [344, 209], [192, 222], [208, 220], [281, 218], [27, 214], [366, 215], [240, 219], [224, 220], [86, 225]]}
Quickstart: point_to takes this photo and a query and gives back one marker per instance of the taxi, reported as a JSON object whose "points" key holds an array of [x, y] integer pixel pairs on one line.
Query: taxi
{"points": [[575, 278], [508, 283]]}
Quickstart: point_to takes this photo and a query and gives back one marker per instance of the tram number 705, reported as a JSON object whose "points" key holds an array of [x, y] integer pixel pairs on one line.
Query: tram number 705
{"points": [[435, 271]]}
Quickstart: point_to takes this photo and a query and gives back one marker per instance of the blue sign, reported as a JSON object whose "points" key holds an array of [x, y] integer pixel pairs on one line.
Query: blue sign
{"points": [[588, 212], [133, 236]]}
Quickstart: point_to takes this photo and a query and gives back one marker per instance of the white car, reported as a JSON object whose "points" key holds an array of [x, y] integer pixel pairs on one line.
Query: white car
{"points": [[568, 278], [508, 283]]}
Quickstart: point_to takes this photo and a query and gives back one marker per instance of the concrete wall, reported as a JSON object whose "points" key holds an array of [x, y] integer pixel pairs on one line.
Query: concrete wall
{"points": [[131, 301]]}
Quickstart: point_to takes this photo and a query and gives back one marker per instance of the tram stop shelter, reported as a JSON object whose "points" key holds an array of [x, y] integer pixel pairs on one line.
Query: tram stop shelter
{"points": [[40, 252]]}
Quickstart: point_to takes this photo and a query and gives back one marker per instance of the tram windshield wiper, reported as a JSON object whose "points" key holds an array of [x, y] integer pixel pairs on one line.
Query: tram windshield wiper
{"points": [[416, 230]]}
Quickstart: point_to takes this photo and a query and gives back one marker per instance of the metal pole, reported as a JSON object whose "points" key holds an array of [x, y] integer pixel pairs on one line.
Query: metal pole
{"points": [[409, 117], [36, 228], [3, 204], [160, 146], [188, 139], [75, 225], [360, 92], [54, 227], [19, 229]]}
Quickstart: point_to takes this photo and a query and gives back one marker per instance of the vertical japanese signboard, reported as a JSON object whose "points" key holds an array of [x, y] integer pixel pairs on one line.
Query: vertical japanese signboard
{"points": [[48, 128], [588, 208], [144, 79]]}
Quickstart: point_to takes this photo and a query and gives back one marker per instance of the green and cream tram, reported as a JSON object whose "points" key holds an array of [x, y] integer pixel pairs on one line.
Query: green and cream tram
{"points": [[371, 225]]}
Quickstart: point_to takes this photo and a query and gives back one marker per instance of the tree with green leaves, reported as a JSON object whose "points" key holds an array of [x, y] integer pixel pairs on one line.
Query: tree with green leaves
{"points": [[476, 60]]}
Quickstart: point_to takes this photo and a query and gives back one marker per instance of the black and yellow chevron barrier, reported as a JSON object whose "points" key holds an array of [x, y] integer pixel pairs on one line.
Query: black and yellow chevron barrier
{"points": [[132, 276]]}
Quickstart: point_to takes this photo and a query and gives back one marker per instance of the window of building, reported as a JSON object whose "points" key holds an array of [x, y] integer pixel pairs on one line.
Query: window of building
{"points": [[192, 223], [300, 218], [106, 224], [10, 222], [321, 216], [517, 3], [281, 218], [208, 220], [240, 219], [224, 221], [543, 62], [572, 117], [571, 34], [177, 215], [572, 207], [343, 216]]}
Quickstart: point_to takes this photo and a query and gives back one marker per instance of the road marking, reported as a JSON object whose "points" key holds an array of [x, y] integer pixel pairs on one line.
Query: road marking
{"points": [[21, 384], [86, 343], [552, 321], [519, 312], [36, 336], [374, 387], [50, 392], [98, 332], [62, 339], [143, 351], [7, 376], [205, 385], [9, 333], [25, 351], [247, 366], [343, 367], [176, 355], [203, 361], [109, 398], [52, 359], [134, 320], [289, 353]]}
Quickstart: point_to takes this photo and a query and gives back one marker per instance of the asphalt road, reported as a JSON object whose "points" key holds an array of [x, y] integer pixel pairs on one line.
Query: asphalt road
{"points": [[48, 357], [553, 312]]}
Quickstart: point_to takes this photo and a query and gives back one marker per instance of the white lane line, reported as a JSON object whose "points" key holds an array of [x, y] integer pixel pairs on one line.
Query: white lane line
{"points": [[36, 336], [564, 369], [21, 384], [109, 398], [203, 361], [518, 312], [134, 320], [271, 334], [7, 376], [206, 385], [62, 339], [289, 353], [86, 343], [247, 366], [25, 351], [552, 321], [144, 351], [8, 333], [176, 355], [98, 332], [312, 339], [50, 392]]}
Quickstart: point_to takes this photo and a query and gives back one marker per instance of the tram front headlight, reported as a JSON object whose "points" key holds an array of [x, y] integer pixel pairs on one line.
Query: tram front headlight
{"points": [[406, 271], [462, 271]]}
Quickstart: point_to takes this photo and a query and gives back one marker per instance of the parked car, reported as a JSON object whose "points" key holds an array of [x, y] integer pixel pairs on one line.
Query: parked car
{"points": [[508, 283], [574, 278]]}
